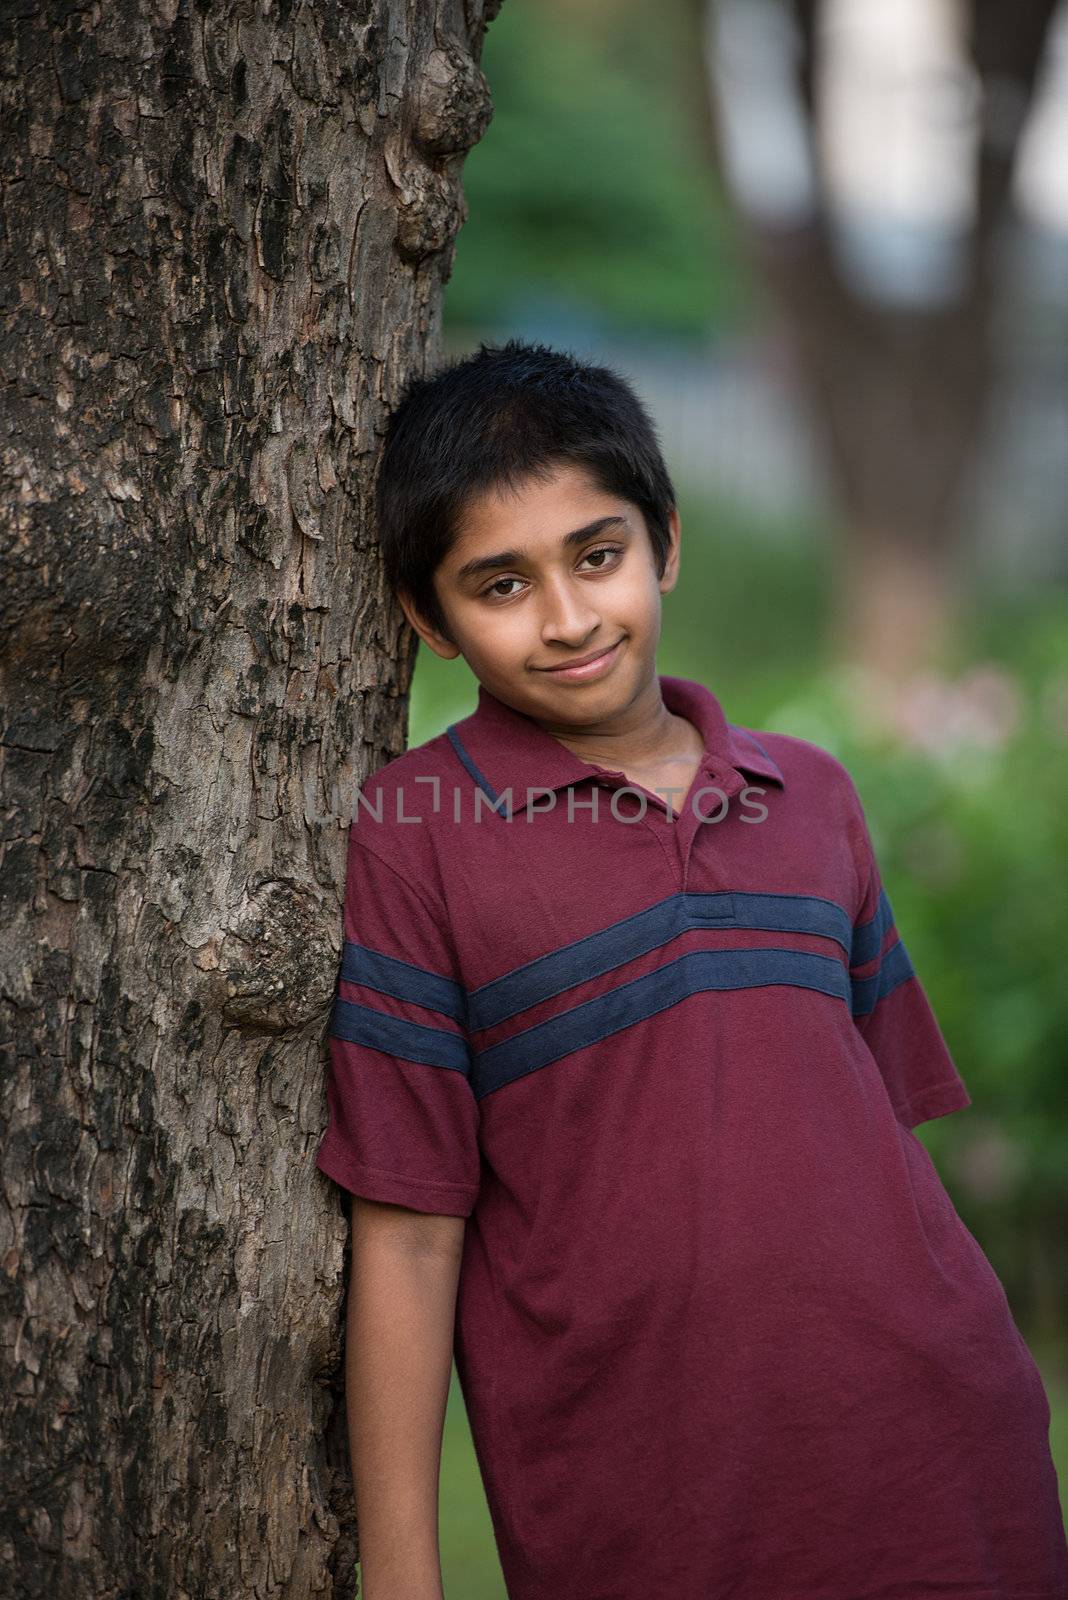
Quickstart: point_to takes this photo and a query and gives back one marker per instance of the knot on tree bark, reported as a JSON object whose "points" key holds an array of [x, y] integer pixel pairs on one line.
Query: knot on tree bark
{"points": [[453, 106], [276, 967], [452, 109], [431, 207]]}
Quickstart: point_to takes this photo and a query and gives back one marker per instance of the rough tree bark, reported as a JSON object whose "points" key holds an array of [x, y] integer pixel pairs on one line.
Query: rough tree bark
{"points": [[226, 231], [897, 398]]}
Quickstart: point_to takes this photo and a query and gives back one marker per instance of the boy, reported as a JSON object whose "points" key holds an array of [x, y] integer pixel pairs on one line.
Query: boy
{"points": [[625, 1061]]}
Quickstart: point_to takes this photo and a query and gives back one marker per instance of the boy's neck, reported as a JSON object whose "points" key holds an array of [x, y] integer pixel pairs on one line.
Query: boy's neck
{"points": [[642, 734]]}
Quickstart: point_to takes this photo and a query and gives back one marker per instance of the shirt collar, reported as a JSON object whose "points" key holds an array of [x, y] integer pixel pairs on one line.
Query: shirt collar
{"points": [[503, 749]]}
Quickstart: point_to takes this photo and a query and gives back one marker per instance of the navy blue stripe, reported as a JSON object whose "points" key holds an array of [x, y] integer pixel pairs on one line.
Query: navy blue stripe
{"points": [[434, 1047], [868, 936], [402, 980], [894, 969], [791, 913], [479, 777], [623, 941], [598, 1019]]}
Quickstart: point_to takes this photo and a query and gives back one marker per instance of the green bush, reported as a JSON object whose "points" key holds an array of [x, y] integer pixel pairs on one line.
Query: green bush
{"points": [[966, 806]]}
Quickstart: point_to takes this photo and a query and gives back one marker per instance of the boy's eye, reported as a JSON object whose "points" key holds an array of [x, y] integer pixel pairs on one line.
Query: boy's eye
{"points": [[604, 550], [494, 591]]}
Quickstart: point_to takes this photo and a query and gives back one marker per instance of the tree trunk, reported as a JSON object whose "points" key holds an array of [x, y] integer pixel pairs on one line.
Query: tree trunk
{"points": [[895, 607], [896, 403], [896, 398], [227, 231]]}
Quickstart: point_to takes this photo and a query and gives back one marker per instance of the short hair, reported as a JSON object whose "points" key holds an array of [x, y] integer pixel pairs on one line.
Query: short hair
{"points": [[488, 421]]}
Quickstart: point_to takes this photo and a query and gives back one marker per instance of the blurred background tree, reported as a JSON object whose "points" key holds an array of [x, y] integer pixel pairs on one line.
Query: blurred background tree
{"points": [[828, 244], [874, 152]]}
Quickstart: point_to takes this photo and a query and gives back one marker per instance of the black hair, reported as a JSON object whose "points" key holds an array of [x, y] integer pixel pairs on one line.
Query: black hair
{"points": [[491, 419]]}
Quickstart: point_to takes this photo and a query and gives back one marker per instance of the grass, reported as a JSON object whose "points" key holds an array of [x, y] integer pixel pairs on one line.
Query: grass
{"points": [[469, 1564]]}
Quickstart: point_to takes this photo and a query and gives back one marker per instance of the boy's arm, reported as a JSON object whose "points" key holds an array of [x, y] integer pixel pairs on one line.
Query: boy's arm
{"points": [[398, 1362], [403, 1139]]}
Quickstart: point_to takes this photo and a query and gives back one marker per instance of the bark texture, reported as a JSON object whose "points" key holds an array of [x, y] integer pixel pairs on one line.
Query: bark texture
{"points": [[225, 234]]}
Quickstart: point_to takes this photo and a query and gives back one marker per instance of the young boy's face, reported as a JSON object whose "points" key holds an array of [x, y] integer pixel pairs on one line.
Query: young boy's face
{"points": [[521, 602]]}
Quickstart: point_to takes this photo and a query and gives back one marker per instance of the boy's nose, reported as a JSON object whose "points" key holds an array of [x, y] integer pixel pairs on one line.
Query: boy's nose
{"points": [[569, 619]]}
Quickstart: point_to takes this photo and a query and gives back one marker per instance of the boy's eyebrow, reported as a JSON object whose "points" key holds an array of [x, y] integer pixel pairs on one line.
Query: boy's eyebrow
{"points": [[511, 558]]}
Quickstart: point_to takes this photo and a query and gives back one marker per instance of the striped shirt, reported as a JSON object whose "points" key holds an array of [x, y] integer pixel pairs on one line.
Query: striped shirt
{"points": [[719, 1328]]}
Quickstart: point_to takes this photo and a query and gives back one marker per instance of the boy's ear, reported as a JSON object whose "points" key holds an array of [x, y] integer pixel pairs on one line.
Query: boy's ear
{"points": [[671, 563], [430, 636]]}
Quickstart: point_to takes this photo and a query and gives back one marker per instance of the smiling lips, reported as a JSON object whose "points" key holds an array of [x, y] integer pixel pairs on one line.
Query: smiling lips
{"points": [[588, 668]]}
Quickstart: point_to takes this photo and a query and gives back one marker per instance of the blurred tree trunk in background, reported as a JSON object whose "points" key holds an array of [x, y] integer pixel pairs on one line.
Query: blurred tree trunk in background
{"points": [[896, 395], [227, 233]]}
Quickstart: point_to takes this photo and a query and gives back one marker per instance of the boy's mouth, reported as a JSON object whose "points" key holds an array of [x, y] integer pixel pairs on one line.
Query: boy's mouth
{"points": [[585, 666]]}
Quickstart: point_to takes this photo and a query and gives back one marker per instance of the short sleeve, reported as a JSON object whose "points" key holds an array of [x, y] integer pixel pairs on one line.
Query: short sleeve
{"points": [[893, 1014], [402, 1116]]}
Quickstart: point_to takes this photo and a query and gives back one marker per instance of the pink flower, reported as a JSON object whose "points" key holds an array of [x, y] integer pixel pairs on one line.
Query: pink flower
{"points": [[993, 705], [982, 709]]}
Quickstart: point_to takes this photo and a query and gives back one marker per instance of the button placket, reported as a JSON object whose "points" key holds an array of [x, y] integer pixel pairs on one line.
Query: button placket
{"points": [[697, 806], [681, 828]]}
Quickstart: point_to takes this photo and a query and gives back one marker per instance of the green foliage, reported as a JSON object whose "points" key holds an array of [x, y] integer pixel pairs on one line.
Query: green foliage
{"points": [[971, 832], [588, 191]]}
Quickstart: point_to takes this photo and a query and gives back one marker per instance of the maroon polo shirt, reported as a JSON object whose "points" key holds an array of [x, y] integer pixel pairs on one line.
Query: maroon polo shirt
{"points": [[720, 1330]]}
